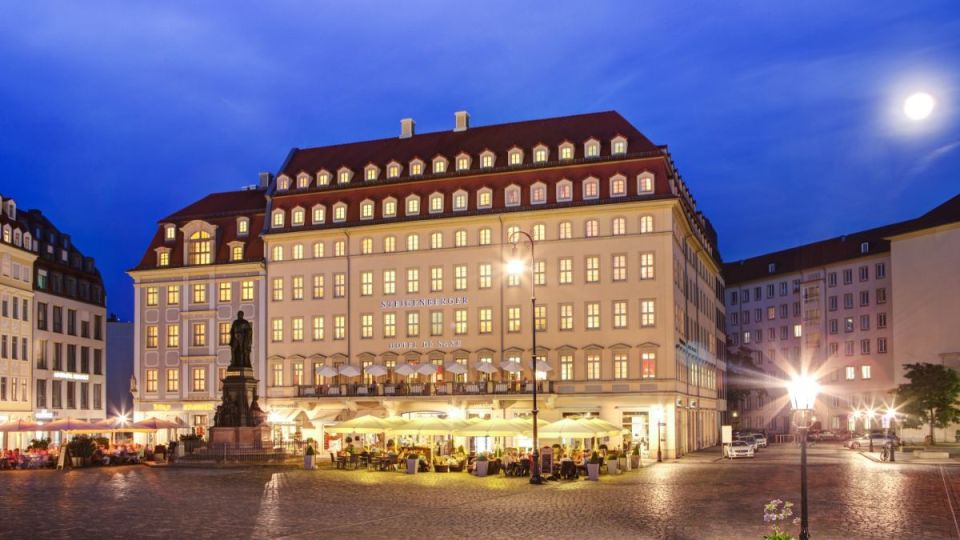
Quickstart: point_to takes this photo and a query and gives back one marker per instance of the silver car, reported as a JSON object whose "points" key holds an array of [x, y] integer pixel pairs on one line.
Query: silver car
{"points": [[749, 440], [760, 438], [740, 449]]}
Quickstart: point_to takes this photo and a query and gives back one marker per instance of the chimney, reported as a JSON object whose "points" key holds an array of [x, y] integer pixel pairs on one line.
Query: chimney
{"points": [[265, 178], [407, 126], [463, 120]]}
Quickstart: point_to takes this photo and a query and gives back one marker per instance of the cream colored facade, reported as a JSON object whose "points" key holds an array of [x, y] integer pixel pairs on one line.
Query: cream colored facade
{"points": [[16, 333], [613, 333], [181, 352]]}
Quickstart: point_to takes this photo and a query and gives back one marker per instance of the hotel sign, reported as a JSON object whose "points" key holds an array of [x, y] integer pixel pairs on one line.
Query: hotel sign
{"points": [[68, 376], [427, 344], [424, 302]]}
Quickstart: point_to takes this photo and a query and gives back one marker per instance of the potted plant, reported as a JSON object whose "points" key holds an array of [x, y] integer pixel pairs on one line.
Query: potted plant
{"points": [[412, 459], [310, 458], [39, 444], [593, 466], [613, 462], [481, 465], [81, 449], [635, 457]]}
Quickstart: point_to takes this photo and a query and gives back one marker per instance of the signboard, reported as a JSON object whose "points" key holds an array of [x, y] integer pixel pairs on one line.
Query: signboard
{"points": [[424, 302], [726, 434], [43, 414], [68, 376]]}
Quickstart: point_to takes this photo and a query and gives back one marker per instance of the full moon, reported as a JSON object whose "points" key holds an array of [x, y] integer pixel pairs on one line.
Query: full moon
{"points": [[918, 106]]}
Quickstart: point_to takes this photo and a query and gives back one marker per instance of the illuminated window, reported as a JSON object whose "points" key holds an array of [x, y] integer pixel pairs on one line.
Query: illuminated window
{"points": [[277, 253], [648, 365], [618, 146], [436, 323], [173, 295], [619, 267], [648, 313], [224, 291], [339, 327], [173, 380], [153, 296], [591, 148], [484, 198], [389, 282], [593, 366], [163, 258], [303, 181], [199, 293], [319, 214], [515, 156], [371, 172], [540, 317], [246, 291], [413, 205], [566, 367], [389, 207], [366, 246], [413, 324], [297, 217], [486, 275], [393, 170], [618, 186], [591, 188], [540, 154], [413, 280], [151, 383], [436, 240], [593, 315], [460, 238], [566, 151], [323, 178], [486, 160], [389, 325], [199, 334], [339, 248], [339, 285], [460, 277], [278, 219], [436, 203], [621, 366], [366, 326], [236, 253], [513, 319], [620, 314], [485, 236], [413, 242], [593, 269], [486, 320], [646, 266], [439, 165], [564, 191], [318, 328], [366, 283], [540, 273], [646, 224], [277, 290], [591, 228], [200, 242], [463, 162], [538, 193], [339, 212], [344, 175], [152, 333], [223, 333], [512, 196], [436, 279], [645, 182], [566, 271], [389, 244], [296, 287], [173, 336], [366, 209], [170, 233]]}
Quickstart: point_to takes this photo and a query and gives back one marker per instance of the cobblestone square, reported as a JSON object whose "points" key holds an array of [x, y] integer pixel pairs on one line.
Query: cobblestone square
{"points": [[699, 496]]}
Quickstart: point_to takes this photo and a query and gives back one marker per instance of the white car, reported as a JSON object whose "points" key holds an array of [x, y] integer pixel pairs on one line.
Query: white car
{"points": [[750, 441], [761, 439], [740, 449]]}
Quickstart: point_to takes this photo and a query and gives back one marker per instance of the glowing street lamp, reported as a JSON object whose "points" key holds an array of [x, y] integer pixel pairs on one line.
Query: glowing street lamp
{"points": [[516, 267], [888, 418], [658, 418], [803, 392]]}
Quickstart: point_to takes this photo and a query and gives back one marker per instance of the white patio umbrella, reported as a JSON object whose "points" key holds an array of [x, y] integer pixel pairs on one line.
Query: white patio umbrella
{"points": [[456, 367], [20, 426], [426, 369], [349, 370], [154, 424], [69, 424], [376, 370], [405, 369], [511, 366], [486, 367], [542, 366], [326, 371]]}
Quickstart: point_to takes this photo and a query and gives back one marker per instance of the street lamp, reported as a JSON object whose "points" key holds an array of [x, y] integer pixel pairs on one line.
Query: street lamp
{"points": [[658, 417], [515, 267], [887, 419], [803, 392], [870, 416]]}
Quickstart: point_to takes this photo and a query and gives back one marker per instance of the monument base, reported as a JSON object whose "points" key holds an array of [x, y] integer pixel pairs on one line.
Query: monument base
{"points": [[240, 437]]}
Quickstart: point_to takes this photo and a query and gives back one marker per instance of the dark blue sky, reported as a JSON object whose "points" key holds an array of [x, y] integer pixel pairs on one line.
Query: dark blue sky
{"points": [[785, 121]]}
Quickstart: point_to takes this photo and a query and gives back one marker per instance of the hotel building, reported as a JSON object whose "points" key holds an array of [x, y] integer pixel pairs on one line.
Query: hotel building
{"points": [[830, 308], [390, 253], [69, 350], [17, 253], [203, 266]]}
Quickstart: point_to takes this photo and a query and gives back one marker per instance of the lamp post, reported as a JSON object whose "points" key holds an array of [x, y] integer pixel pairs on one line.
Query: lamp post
{"points": [[658, 417], [887, 419], [515, 267], [870, 416], [803, 392]]}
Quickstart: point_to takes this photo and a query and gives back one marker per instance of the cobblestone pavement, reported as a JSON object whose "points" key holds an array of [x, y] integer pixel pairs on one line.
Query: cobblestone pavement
{"points": [[699, 496]]}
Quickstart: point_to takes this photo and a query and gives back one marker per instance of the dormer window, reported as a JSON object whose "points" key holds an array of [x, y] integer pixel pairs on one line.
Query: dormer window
{"points": [[771, 268], [511, 195], [28, 245], [564, 191], [371, 172], [199, 248], [436, 203], [303, 181], [170, 233], [344, 175], [591, 148], [366, 209], [163, 257], [389, 207], [283, 182], [413, 205], [540, 154], [439, 165], [17, 237], [618, 186], [236, 251], [864, 247], [618, 145], [243, 226], [591, 188], [416, 167], [393, 170], [277, 219], [485, 198], [297, 217], [566, 151], [463, 162], [538, 193], [319, 214], [323, 178], [487, 159], [459, 200], [340, 212], [645, 182], [7, 231], [515, 156]]}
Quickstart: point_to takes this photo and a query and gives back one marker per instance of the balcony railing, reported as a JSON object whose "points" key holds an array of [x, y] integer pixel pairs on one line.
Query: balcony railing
{"points": [[423, 389]]}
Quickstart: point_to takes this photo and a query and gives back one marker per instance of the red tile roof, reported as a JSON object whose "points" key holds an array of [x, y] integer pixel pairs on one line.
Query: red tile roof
{"points": [[498, 138], [836, 249], [223, 203]]}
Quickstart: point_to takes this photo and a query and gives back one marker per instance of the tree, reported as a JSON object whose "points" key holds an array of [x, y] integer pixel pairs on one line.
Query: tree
{"points": [[931, 395]]}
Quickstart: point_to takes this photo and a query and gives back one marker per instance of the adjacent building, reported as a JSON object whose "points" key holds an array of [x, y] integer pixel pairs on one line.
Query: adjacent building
{"points": [[361, 262], [120, 351]]}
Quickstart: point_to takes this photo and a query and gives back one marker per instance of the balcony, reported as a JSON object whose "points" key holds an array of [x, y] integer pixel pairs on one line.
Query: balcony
{"points": [[417, 389]]}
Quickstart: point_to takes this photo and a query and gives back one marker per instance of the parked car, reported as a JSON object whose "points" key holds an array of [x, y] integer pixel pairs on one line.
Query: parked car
{"points": [[748, 440], [740, 448], [826, 436], [879, 439], [761, 439]]}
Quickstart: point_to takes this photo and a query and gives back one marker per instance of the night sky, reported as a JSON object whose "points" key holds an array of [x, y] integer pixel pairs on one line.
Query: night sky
{"points": [[786, 122]]}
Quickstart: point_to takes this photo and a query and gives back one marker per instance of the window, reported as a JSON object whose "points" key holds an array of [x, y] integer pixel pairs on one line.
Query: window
{"points": [[797, 330], [648, 313], [882, 345], [277, 291], [318, 328], [566, 271], [485, 236], [645, 183], [460, 238], [864, 298], [413, 280], [512, 196], [880, 270], [591, 228], [366, 209], [278, 219], [486, 275], [344, 175], [199, 379], [223, 333], [277, 374], [865, 372], [413, 242], [593, 316], [170, 233], [318, 286], [485, 198], [152, 296], [439, 165], [436, 240], [463, 162], [593, 366], [851, 373], [619, 226], [277, 253], [389, 325], [339, 248], [390, 244], [151, 382], [881, 320], [151, 338], [460, 277], [565, 230], [297, 217], [199, 248], [436, 203], [564, 191], [881, 295], [646, 266], [339, 285], [847, 276], [460, 201], [540, 273], [591, 148], [339, 212], [618, 146], [277, 327], [621, 366], [236, 253], [620, 314], [864, 322], [566, 367], [513, 319], [393, 170], [486, 320], [173, 336], [319, 214], [224, 291], [593, 269], [618, 186], [540, 317], [339, 327], [515, 156], [436, 279], [538, 193], [648, 365], [199, 334], [366, 326], [413, 205], [199, 293], [413, 323], [389, 282], [246, 291], [864, 346], [370, 172], [460, 322], [591, 188], [416, 167], [366, 283], [486, 159]]}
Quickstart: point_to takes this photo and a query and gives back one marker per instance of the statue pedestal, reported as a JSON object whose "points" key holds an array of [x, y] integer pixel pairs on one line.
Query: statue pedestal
{"points": [[240, 437]]}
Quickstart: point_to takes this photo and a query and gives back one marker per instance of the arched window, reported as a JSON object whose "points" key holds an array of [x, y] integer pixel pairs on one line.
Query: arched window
{"points": [[618, 186], [340, 212], [515, 156], [297, 216], [393, 169], [413, 205], [564, 191], [439, 165], [366, 209], [283, 183], [618, 145], [278, 219], [389, 207], [323, 178], [645, 182], [539, 232], [591, 148], [436, 203], [485, 198], [566, 150], [487, 159], [303, 180], [459, 200], [463, 161], [512, 195], [591, 188], [416, 167], [371, 172], [460, 238], [538, 193], [200, 248], [344, 175], [319, 214], [540, 153]]}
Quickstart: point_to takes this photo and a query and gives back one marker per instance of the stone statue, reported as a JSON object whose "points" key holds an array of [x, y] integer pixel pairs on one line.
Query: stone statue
{"points": [[133, 384], [241, 342]]}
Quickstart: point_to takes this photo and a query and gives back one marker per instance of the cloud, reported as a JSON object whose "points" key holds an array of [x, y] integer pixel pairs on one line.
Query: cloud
{"points": [[926, 161]]}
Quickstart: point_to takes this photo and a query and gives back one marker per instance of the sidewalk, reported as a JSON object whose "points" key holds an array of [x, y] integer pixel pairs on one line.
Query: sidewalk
{"points": [[908, 458]]}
